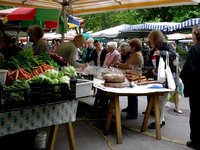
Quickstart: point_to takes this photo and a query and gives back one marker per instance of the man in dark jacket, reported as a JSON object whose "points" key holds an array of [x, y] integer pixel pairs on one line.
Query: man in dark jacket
{"points": [[190, 76]]}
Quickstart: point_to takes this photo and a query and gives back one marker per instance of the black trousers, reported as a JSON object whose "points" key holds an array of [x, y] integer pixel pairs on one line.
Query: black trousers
{"points": [[194, 119], [133, 105], [101, 99]]}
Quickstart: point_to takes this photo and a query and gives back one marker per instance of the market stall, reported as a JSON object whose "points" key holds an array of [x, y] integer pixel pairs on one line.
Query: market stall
{"points": [[34, 94], [41, 116], [151, 90]]}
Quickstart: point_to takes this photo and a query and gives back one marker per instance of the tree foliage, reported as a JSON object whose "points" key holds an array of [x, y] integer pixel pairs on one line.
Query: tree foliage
{"points": [[97, 22]]}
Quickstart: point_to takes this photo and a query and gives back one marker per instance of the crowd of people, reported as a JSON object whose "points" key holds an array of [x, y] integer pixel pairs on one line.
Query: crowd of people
{"points": [[127, 55]]}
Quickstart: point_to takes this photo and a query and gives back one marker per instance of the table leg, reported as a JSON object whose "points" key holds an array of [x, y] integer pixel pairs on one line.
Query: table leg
{"points": [[147, 114], [109, 116], [118, 120], [157, 116], [52, 137], [70, 133]]}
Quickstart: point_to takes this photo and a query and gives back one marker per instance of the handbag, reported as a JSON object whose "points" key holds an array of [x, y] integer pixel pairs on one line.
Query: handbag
{"points": [[161, 71], [169, 77]]}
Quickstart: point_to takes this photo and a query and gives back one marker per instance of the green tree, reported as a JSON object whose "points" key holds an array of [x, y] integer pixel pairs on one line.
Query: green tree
{"points": [[97, 22], [4, 7]]}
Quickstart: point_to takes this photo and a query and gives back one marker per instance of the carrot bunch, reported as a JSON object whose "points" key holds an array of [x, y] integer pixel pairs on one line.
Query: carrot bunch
{"points": [[12, 75], [46, 67], [37, 71], [20, 73], [23, 74], [40, 69]]}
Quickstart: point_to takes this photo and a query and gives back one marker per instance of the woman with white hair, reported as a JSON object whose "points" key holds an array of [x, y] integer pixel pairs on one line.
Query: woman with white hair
{"points": [[87, 52], [112, 56]]}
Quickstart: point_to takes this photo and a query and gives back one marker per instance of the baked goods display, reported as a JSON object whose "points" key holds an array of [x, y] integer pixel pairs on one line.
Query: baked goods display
{"points": [[114, 80], [115, 85], [138, 79]]}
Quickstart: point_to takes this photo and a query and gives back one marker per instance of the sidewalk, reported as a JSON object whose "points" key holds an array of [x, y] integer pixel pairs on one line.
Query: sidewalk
{"points": [[88, 130]]}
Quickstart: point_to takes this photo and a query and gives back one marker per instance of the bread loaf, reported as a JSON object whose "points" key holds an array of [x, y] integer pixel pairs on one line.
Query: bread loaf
{"points": [[114, 78], [114, 85]]}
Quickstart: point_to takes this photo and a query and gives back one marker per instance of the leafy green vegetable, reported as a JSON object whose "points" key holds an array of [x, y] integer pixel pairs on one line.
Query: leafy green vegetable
{"points": [[70, 71], [53, 74], [18, 84], [24, 59], [45, 57], [64, 79]]}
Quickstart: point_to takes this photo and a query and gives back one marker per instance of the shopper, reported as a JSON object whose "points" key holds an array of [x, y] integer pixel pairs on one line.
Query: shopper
{"points": [[134, 62], [87, 52], [68, 50], [40, 45], [99, 54], [190, 76], [160, 46], [112, 56]]}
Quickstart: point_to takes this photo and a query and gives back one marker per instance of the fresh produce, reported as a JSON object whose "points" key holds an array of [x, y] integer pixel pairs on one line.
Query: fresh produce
{"points": [[18, 84], [24, 59], [53, 74], [20, 73], [16, 92], [70, 71], [23, 74], [64, 79], [51, 77], [58, 59], [46, 67], [46, 58]]}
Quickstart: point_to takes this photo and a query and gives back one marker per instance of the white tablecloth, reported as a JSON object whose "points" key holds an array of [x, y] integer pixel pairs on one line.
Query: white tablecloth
{"points": [[141, 89]]}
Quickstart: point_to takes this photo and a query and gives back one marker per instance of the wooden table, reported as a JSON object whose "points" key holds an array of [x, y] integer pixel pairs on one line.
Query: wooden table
{"points": [[114, 105], [41, 116]]}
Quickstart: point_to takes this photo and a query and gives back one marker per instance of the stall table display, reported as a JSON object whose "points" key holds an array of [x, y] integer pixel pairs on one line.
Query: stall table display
{"points": [[150, 90], [40, 106]]}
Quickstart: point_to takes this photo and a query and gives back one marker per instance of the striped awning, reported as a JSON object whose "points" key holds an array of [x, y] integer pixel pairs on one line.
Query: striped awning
{"points": [[189, 23], [163, 26], [80, 7]]}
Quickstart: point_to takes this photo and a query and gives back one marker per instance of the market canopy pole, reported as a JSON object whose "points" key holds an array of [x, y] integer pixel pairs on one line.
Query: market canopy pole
{"points": [[63, 16]]}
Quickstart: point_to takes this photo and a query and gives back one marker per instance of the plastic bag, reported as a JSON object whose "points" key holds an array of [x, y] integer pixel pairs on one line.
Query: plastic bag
{"points": [[170, 80], [161, 71], [169, 76], [178, 92]]}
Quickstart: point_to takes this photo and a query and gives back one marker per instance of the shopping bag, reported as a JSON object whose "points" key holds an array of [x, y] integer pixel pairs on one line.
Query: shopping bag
{"points": [[161, 71], [170, 80], [169, 76]]}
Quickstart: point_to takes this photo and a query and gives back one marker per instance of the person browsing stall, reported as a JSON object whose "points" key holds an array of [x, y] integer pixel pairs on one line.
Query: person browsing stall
{"points": [[99, 54], [87, 52], [68, 50], [112, 56], [190, 76], [124, 51], [159, 48], [39, 46], [134, 62]]}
